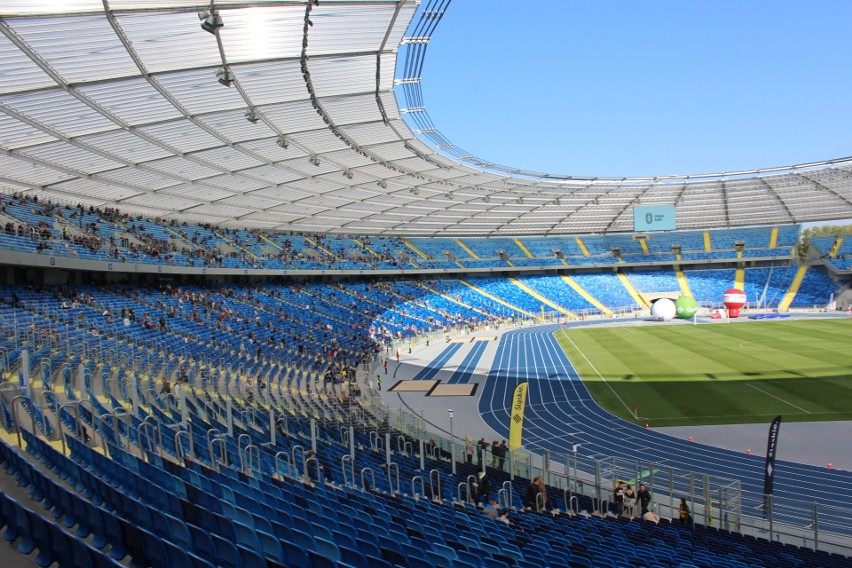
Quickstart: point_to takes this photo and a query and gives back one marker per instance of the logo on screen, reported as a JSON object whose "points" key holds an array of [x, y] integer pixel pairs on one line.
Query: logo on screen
{"points": [[649, 218]]}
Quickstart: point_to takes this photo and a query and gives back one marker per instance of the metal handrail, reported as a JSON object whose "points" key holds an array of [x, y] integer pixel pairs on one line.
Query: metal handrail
{"points": [[240, 445], [459, 494], [471, 481], [252, 465], [414, 481], [117, 413], [152, 420], [301, 450], [572, 504], [435, 479], [344, 459], [372, 478], [503, 499], [76, 406], [223, 453], [287, 461], [181, 453], [21, 398], [539, 502], [144, 428], [391, 467]]}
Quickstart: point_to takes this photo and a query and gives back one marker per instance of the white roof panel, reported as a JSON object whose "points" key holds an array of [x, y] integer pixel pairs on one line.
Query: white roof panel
{"points": [[163, 137]]}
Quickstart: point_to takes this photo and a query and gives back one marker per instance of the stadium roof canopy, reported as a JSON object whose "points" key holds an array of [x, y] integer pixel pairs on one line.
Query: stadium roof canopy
{"points": [[283, 115]]}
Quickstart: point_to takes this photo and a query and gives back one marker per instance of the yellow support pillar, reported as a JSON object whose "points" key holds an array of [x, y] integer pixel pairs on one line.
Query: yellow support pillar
{"points": [[494, 298], [416, 250], [773, 238], [543, 299], [585, 294], [836, 247], [682, 282], [708, 247], [794, 289], [524, 249], [739, 278], [634, 293], [582, 246], [466, 249]]}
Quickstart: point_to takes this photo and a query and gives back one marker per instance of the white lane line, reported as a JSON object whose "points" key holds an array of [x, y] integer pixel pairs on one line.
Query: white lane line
{"points": [[777, 398], [595, 369]]}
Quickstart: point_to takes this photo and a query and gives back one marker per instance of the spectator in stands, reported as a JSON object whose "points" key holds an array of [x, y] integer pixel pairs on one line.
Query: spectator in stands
{"points": [[495, 449], [535, 488], [501, 452], [683, 512], [490, 509], [165, 387], [618, 497], [482, 485], [629, 498], [468, 449], [651, 516], [643, 499], [317, 470], [481, 448]]}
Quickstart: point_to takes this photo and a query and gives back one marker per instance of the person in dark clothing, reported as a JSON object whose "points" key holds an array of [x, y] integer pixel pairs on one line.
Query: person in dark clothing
{"points": [[481, 485], [481, 448], [643, 499], [317, 472], [683, 512], [535, 489], [501, 451], [618, 497]]}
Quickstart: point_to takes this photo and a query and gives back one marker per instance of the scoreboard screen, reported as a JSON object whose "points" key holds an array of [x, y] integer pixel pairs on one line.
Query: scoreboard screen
{"points": [[653, 218]]}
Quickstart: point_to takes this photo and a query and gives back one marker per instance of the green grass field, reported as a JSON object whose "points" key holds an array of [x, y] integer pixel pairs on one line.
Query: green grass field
{"points": [[718, 374]]}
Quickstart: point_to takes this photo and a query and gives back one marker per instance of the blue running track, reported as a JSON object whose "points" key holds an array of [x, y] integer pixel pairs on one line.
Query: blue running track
{"points": [[468, 366], [437, 364], [560, 410]]}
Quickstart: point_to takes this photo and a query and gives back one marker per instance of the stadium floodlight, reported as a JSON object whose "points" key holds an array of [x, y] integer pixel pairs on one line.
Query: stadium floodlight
{"points": [[252, 116], [450, 196], [210, 21], [348, 174], [282, 141], [557, 202], [414, 191], [314, 160], [487, 199], [383, 184], [224, 76]]}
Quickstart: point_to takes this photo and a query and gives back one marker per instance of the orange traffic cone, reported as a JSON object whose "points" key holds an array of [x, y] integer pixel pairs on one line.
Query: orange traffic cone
{"points": [[830, 466], [748, 451], [690, 438], [647, 425]]}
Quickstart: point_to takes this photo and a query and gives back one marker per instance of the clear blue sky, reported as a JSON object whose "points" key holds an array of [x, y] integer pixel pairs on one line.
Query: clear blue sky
{"points": [[632, 88]]}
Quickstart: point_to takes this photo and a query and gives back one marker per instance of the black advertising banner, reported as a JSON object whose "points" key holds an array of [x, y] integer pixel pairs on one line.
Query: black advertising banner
{"points": [[771, 448]]}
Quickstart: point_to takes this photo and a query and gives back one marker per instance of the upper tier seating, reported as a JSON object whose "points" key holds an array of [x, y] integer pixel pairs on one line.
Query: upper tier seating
{"points": [[108, 235]]}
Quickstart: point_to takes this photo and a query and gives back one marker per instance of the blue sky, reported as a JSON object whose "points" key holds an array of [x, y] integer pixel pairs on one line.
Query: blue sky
{"points": [[629, 88]]}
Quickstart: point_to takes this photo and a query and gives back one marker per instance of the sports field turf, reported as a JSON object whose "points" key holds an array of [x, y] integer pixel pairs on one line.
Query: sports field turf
{"points": [[718, 374]]}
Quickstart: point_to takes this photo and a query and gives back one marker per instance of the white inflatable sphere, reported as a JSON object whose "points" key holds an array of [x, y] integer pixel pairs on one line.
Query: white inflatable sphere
{"points": [[663, 310]]}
